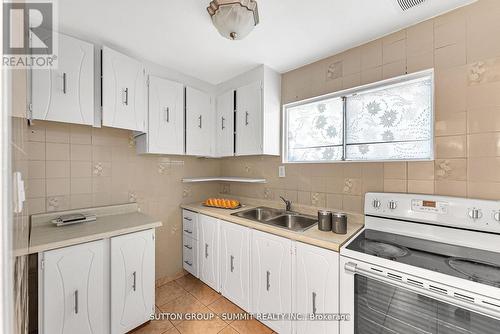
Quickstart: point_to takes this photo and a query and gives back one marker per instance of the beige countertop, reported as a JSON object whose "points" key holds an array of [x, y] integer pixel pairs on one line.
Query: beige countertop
{"points": [[312, 236], [111, 221]]}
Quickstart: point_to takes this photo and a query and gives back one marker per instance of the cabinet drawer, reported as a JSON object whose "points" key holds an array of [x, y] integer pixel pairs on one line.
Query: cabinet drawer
{"points": [[189, 255], [189, 224]]}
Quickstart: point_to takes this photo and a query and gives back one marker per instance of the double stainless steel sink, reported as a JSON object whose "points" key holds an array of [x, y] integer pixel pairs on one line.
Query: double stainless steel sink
{"points": [[280, 218]]}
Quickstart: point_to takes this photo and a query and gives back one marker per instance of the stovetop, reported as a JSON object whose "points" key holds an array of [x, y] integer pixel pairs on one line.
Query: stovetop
{"points": [[468, 263]]}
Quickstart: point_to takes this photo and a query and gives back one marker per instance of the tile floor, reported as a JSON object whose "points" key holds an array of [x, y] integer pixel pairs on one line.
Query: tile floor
{"points": [[187, 295]]}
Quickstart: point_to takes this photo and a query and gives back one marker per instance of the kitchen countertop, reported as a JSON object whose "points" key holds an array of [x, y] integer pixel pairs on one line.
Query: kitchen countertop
{"points": [[111, 221], [312, 236]]}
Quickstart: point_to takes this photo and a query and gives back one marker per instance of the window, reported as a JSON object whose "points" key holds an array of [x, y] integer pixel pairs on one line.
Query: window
{"points": [[389, 120]]}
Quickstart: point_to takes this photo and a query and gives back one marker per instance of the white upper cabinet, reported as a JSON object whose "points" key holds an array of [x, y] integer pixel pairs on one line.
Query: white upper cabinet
{"points": [[208, 251], [72, 290], [235, 263], [316, 287], [258, 110], [123, 91], [165, 118], [199, 123], [271, 276], [249, 139], [132, 280], [66, 93], [224, 125]]}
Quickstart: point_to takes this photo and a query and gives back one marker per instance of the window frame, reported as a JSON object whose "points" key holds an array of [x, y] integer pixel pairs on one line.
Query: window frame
{"points": [[344, 94]]}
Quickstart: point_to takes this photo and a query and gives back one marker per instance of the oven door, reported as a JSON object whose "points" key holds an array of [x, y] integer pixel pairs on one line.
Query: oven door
{"points": [[382, 305]]}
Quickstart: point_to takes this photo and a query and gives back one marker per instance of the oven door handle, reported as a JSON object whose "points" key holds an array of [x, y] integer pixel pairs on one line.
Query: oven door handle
{"points": [[451, 296]]}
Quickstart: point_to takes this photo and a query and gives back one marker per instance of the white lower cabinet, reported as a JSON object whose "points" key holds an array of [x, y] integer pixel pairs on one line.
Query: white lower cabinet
{"points": [[316, 287], [133, 280], [271, 276], [235, 263], [208, 251], [72, 290], [104, 286]]}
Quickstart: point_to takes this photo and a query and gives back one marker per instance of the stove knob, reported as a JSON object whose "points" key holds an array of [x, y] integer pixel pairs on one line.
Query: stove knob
{"points": [[392, 205], [376, 204], [475, 213], [496, 216]]}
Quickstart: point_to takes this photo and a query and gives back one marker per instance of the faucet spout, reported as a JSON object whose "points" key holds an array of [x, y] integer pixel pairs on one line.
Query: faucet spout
{"points": [[288, 204]]}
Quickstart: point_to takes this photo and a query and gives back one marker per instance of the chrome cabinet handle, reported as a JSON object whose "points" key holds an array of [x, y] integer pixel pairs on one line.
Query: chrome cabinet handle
{"points": [[166, 111], [206, 251], [232, 263], [246, 117], [188, 247], [188, 231], [125, 102], [188, 263], [201, 120], [314, 302], [64, 82], [76, 301], [134, 284], [223, 119], [187, 218], [268, 276]]}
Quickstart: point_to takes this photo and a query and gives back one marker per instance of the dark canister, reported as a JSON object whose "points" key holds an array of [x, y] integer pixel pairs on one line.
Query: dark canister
{"points": [[339, 223], [324, 220]]}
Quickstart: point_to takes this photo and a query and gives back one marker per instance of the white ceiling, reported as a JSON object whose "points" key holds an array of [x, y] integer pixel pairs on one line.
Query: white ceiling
{"points": [[179, 34]]}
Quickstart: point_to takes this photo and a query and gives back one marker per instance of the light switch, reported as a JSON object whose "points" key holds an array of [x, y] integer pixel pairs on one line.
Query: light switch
{"points": [[281, 171]]}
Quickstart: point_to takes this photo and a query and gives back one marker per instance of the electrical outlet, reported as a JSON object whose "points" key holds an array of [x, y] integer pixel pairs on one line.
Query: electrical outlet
{"points": [[281, 171]]}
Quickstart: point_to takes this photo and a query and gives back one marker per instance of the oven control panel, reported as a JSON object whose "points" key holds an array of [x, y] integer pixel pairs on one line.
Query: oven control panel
{"points": [[466, 213], [421, 205]]}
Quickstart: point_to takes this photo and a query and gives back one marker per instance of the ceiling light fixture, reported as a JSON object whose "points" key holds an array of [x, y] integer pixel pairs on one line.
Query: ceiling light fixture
{"points": [[234, 19]]}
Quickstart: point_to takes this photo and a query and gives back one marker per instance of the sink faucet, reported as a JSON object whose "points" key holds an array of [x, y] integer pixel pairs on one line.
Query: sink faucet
{"points": [[288, 204]]}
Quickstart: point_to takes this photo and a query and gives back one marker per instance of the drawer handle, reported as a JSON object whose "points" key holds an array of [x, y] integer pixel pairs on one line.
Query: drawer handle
{"points": [[187, 218], [134, 285], [188, 231], [232, 263], [188, 263], [76, 301], [268, 278], [206, 251], [188, 247], [314, 302]]}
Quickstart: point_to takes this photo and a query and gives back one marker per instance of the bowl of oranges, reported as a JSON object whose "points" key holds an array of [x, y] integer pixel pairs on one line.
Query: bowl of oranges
{"points": [[222, 203]]}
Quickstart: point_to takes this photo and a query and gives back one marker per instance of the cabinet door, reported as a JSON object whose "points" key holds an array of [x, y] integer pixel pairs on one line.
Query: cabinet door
{"points": [[166, 116], [66, 94], [72, 284], [199, 123], [123, 91], [249, 119], [317, 287], [224, 125], [272, 278], [208, 251], [132, 280], [235, 263]]}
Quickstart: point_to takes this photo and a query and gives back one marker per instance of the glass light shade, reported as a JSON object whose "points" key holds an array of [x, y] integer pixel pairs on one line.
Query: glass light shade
{"points": [[234, 20]]}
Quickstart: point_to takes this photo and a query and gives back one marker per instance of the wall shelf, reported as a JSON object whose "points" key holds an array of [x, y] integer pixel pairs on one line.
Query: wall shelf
{"points": [[223, 179]]}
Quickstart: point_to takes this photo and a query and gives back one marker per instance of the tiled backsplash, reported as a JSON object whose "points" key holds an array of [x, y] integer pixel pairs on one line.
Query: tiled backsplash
{"points": [[464, 48], [72, 166]]}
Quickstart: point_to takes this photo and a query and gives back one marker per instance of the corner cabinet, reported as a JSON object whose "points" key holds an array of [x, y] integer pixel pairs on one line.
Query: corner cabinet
{"points": [[316, 287], [271, 276], [165, 119], [199, 123], [133, 280], [66, 93], [123, 91], [72, 290]]}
